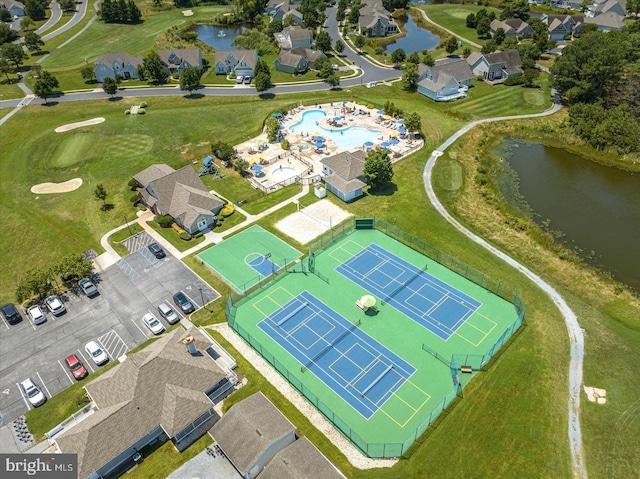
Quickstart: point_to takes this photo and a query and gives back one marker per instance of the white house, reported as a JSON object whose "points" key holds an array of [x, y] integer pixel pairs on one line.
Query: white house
{"points": [[342, 174], [294, 36], [447, 80]]}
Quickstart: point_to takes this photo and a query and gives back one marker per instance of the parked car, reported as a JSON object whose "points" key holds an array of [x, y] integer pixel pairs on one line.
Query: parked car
{"points": [[36, 314], [54, 305], [34, 395], [76, 367], [168, 313], [247, 80], [157, 250], [155, 326], [239, 79], [10, 313], [87, 287], [183, 302], [97, 354], [335, 67]]}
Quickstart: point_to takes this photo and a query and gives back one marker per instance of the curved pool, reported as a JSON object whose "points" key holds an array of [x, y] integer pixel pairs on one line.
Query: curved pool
{"points": [[283, 173], [349, 137]]}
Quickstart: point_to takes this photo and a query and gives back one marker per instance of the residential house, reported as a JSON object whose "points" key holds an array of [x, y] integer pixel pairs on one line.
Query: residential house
{"points": [[497, 66], [240, 62], [607, 22], [181, 194], [376, 21], [165, 391], [281, 9], [343, 174], [513, 27], [299, 59], [561, 26], [619, 7], [177, 60], [251, 433], [293, 37], [300, 460], [16, 9], [118, 64], [447, 80]]}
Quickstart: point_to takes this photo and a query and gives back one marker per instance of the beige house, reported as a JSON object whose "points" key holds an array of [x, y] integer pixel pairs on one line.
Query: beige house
{"points": [[343, 174]]}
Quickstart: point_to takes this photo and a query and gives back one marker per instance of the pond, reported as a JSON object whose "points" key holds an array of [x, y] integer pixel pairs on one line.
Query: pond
{"points": [[219, 37], [416, 39], [597, 208]]}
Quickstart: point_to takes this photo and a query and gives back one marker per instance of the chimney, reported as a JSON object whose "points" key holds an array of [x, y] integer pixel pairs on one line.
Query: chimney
{"points": [[190, 343]]}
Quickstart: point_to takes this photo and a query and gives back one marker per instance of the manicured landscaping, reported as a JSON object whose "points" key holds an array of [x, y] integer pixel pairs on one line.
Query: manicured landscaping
{"points": [[454, 18]]}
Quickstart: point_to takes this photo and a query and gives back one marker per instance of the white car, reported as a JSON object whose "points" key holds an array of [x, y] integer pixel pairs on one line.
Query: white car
{"points": [[35, 396], [97, 354], [168, 313], [36, 314], [152, 323], [54, 305]]}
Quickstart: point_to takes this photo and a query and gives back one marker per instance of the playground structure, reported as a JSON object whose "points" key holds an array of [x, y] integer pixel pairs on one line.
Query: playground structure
{"points": [[209, 167]]}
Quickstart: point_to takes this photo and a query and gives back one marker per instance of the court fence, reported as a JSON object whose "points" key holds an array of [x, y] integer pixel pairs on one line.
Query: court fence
{"points": [[477, 362]]}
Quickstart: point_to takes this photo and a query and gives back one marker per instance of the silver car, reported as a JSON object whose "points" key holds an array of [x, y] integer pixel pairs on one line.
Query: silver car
{"points": [[35, 396], [54, 305], [168, 313], [36, 314]]}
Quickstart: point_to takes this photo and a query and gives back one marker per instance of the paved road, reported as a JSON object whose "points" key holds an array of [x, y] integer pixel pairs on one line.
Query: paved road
{"points": [[576, 335], [56, 13]]}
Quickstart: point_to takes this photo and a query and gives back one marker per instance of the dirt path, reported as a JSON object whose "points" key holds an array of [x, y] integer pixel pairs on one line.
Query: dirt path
{"points": [[576, 335]]}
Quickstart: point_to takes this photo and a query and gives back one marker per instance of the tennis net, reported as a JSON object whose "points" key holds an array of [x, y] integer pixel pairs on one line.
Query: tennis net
{"points": [[329, 346], [404, 285]]}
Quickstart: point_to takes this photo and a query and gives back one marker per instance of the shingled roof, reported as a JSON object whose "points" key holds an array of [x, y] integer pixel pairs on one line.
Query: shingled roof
{"points": [[123, 58], [300, 460]]}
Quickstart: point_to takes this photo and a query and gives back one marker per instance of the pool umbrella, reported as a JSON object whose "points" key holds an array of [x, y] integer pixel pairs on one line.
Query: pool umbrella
{"points": [[336, 118], [394, 141], [385, 144], [316, 133], [344, 102], [318, 138], [259, 142], [256, 168], [252, 161], [386, 117], [400, 121], [319, 145], [276, 115], [368, 144], [380, 112], [393, 133], [402, 130], [282, 127], [367, 301]]}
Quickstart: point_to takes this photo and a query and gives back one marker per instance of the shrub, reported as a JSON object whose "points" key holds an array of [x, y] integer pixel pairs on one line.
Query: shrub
{"points": [[134, 199], [142, 207], [177, 228], [143, 104], [519, 80], [284, 144], [198, 234], [141, 111], [164, 220], [132, 182], [227, 210], [185, 236], [127, 112]]}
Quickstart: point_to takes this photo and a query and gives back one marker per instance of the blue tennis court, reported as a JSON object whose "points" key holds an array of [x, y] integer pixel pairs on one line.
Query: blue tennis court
{"points": [[432, 303], [355, 366], [263, 265]]}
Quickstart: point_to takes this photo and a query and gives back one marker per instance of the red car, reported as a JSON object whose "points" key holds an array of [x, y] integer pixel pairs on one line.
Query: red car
{"points": [[76, 367]]}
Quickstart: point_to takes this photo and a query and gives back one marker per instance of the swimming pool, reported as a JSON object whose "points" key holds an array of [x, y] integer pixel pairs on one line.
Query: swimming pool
{"points": [[282, 173], [350, 137]]}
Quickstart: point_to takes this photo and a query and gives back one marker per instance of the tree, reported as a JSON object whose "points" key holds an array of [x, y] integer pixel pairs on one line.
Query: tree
{"points": [[35, 10], [5, 16], [466, 52], [101, 194], [110, 86], [333, 80], [489, 47], [354, 13], [73, 267], [33, 42], [153, 67], [67, 5], [359, 41], [451, 45], [413, 123], [87, 73], [272, 128], [26, 24], [275, 26], [499, 36], [378, 170], [7, 35], [262, 67], [190, 79], [413, 58], [398, 56], [13, 54], [5, 68], [44, 85], [35, 282], [339, 47], [323, 41], [530, 75], [528, 50], [471, 21], [483, 27], [223, 150], [427, 59], [410, 76], [262, 82]]}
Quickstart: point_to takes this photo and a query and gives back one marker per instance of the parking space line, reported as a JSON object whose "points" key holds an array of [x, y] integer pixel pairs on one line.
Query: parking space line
{"points": [[192, 301], [23, 397], [86, 363], [177, 310], [43, 384], [5, 323], [65, 371], [107, 338], [33, 325], [139, 328]]}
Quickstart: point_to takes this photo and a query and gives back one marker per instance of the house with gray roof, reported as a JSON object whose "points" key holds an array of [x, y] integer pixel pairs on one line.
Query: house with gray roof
{"points": [[619, 7], [181, 194], [607, 22], [342, 174], [176, 60], [497, 66], [251, 433], [239, 62], [117, 64], [561, 26], [447, 80], [376, 21], [294, 36], [298, 59], [16, 9], [513, 27], [300, 460], [164, 392], [281, 9]]}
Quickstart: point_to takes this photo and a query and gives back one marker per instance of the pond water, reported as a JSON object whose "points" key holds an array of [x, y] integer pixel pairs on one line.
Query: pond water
{"points": [[416, 39], [219, 37], [596, 207]]}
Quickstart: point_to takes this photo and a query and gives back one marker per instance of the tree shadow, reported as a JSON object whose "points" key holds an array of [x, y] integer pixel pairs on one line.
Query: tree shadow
{"points": [[107, 207], [267, 96], [50, 103], [387, 190], [194, 96], [115, 98]]}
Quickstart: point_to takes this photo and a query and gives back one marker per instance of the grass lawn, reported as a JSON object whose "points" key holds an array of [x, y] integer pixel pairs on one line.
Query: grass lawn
{"points": [[454, 18], [10, 90], [116, 240], [172, 237], [265, 202]]}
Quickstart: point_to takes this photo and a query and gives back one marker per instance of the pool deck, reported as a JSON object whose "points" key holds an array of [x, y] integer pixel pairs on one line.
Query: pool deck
{"points": [[304, 158]]}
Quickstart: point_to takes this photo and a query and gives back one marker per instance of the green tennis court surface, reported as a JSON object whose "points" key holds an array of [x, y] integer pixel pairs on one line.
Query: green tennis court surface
{"points": [[248, 257], [279, 323]]}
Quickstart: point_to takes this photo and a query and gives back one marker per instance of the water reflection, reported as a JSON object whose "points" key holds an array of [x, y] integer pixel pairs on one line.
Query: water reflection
{"points": [[416, 39], [217, 37]]}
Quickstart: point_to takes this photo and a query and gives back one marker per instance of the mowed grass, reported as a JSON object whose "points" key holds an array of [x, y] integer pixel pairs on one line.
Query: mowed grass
{"points": [[454, 18]]}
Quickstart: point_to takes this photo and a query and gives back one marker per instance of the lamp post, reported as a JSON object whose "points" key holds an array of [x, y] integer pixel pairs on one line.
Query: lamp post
{"points": [[201, 296], [54, 277], [127, 222]]}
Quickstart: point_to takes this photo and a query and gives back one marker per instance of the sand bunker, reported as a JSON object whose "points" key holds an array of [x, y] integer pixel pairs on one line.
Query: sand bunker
{"points": [[596, 395], [65, 187], [187, 13], [72, 126]]}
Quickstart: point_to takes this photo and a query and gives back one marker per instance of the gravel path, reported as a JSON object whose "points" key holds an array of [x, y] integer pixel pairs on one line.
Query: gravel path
{"points": [[576, 335]]}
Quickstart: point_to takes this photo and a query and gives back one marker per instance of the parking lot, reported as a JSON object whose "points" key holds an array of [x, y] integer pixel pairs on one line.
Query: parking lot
{"points": [[137, 284]]}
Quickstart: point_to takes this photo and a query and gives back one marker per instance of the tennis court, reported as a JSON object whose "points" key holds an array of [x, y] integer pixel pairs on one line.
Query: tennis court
{"points": [[358, 368], [248, 257], [434, 304]]}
